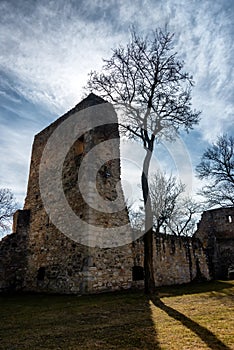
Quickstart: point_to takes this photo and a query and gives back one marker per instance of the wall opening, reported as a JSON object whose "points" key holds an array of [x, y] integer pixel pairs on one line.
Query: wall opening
{"points": [[229, 218], [79, 146], [41, 274], [137, 273]]}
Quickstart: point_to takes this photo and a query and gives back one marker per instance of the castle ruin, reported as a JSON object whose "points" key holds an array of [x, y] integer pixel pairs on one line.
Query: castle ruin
{"points": [[39, 257]]}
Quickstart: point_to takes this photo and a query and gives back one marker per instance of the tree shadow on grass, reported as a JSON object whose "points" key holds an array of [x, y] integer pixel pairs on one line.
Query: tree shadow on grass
{"points": [[203, 333], [110, 321]]}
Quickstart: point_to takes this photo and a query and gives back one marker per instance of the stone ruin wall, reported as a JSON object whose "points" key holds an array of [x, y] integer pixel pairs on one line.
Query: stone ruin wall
{"points": [[219, 221], [216, 231], [73, 268], [14, 254], [179, 260], [38, 257]]}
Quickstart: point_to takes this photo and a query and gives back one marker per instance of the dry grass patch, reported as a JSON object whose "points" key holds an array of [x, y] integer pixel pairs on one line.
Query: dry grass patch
{"points": [[185, 317], [202, 320]]}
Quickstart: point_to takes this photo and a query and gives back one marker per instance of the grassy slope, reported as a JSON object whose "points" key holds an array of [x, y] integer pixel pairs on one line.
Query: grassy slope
{"points": [[184, 317]]}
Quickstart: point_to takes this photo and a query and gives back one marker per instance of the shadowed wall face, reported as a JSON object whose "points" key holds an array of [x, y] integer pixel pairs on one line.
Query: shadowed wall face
{"points": [[67, 266], [216, 231]]}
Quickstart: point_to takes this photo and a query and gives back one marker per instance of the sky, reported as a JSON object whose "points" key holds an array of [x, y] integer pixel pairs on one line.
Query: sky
{"points": [[48, 47]]}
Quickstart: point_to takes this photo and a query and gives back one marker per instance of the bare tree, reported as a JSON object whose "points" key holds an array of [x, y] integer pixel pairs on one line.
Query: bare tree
{"points": [[146, 80], [7, 208], [136, 217], [184, 217], [217, 165], [171, 208], [164, 192], [176, 213]]}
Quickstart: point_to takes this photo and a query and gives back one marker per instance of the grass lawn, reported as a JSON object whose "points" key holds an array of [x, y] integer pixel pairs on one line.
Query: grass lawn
{"points": [[182, 317]]}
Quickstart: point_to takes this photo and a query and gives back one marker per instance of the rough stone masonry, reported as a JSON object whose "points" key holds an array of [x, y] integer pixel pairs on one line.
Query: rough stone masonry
{"points": [[39, 257]]}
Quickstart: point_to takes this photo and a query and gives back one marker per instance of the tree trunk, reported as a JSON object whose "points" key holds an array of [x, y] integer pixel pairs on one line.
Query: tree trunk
{"points": [[157, 228], [148, 236]]}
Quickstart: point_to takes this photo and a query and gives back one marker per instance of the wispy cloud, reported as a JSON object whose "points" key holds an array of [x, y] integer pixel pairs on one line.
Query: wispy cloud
{"points": [[15, 148], [48, 48], [206, 41], [51, 52], [53, 46]]}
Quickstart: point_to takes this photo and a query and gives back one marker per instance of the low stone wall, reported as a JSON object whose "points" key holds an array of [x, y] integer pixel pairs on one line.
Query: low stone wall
{"points": [[82, 270], [179, 260], [14, 255], [69, 267]]}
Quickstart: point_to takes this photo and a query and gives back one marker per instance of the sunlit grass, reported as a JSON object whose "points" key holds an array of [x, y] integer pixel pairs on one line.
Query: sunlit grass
{"points": [[209, 317], [184, 317]]}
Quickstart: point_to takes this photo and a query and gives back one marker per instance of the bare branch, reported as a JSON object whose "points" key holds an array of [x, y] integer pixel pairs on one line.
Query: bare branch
{"points": [[217, 165], [7, 208], [146, 78]]}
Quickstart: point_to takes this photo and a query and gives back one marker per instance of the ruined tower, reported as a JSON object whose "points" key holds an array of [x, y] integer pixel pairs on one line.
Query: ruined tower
{"points": [[75, 262]]}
